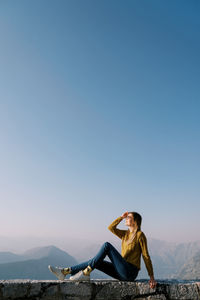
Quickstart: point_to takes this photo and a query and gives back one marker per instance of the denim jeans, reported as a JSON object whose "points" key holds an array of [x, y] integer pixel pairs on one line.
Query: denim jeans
{"points": [[118, 268]]}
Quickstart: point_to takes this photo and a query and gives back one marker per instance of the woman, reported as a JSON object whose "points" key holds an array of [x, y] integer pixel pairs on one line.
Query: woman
{"points": [[124, 266]]}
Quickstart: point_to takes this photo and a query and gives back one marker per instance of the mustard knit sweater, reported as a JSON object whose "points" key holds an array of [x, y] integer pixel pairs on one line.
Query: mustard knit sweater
{"points": [[132, 252]]}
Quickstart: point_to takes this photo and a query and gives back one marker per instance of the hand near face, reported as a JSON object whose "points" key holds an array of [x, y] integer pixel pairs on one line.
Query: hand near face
{"points": [[124, 215]]}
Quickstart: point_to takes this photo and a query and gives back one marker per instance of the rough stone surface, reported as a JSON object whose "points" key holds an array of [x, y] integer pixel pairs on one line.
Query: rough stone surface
{"points": [[96, 290]]}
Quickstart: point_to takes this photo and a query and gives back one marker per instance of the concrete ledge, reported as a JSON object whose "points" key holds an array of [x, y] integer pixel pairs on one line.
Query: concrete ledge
{"points": [[96, 290]]}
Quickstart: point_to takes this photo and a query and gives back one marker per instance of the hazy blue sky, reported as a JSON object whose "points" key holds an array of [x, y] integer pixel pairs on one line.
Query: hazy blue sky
{"points": [[99, 114]]}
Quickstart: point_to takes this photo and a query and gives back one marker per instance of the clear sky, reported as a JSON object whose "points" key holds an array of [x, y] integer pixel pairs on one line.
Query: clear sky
{"points": [[99, 114]]}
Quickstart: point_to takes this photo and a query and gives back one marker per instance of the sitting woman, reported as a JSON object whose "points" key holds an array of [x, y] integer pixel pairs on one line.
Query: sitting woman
{"points": [[124, 266]]}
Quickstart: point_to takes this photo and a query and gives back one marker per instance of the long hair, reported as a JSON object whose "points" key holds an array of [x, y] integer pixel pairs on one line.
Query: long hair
{"points": [[137, 218]]}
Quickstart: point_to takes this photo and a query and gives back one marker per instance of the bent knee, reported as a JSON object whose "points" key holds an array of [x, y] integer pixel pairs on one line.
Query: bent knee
{"points": [[107, 244]]}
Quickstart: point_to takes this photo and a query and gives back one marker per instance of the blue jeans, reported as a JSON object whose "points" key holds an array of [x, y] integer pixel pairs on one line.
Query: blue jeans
{"points": [[118, 268]]}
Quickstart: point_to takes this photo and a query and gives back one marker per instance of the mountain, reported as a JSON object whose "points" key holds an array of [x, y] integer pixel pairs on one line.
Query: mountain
{"points": [[39, 252], [36, 264], [168, 258], [6, 257], [33, 264], [191, 269], [87, 252]]}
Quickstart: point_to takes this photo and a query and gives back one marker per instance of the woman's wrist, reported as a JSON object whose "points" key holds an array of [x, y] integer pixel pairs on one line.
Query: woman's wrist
{"points": [[152, 282]]}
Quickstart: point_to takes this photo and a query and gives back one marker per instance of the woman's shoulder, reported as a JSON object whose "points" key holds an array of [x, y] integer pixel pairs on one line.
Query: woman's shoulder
{"points": [[140, 234]]}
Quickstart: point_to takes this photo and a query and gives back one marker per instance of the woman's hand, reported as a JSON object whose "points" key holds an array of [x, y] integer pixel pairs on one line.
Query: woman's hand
{"points": [[152, 282], [124, 215]]}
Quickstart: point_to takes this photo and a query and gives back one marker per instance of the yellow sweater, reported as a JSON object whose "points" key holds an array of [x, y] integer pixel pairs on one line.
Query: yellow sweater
{"points": [[132, 252]]}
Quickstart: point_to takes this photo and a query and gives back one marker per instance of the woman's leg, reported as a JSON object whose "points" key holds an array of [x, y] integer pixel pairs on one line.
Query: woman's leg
{"points": [[77, 268], [125, 270], [104, 266], [108, 268]]}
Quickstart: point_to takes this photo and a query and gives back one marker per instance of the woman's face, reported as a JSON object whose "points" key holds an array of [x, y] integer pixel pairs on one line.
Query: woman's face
{"points": [[130, 220]]}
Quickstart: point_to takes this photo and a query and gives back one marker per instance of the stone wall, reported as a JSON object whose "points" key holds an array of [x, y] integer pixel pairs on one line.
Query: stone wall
{"points": [[95, 290]]}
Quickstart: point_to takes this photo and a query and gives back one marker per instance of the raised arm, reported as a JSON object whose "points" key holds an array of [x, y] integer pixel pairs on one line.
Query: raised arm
{"points": [[113, 227]]}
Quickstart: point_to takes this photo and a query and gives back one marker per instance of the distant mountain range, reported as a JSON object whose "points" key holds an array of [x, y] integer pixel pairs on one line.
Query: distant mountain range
{"points": [[33, 264], [169, 258], [170, 261], [191, 269], [6, 257]]}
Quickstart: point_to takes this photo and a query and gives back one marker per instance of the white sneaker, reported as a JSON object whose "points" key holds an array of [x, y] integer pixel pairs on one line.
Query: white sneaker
{"points": [[80, 276], [57, 271]]}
